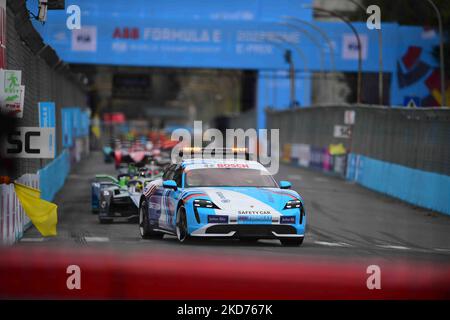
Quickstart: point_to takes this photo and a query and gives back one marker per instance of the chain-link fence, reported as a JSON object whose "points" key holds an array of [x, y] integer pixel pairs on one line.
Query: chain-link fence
{"points": [[42, 83], [245, 120], [415, 138]]}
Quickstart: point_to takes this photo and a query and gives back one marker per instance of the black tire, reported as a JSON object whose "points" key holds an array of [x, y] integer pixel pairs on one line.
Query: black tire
{"points": [[291, 242], [105, 220], [134, 219], [182, 226], [145, 228]]}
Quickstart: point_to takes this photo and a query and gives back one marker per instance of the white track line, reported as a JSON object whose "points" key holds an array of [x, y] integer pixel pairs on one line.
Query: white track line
{"points": [[441, 249], [96, 239], [332, 244], [31, 239], [388, 246]]}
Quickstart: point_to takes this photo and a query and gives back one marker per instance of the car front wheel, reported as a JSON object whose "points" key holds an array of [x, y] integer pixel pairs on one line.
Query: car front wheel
{"points": [[182, 225], [145, 228], [105, 220]]}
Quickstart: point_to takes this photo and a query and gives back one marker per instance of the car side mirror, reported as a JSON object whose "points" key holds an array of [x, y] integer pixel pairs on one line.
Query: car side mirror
{"points": [[170, 184], [285, 185]]}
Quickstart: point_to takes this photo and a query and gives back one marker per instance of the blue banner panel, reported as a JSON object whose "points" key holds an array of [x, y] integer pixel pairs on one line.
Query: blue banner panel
{"points": [[85, 121], [183, 10], [53, 175], [67, 127], [47, 117], [77, 122], [109, 36], [238, 34], [172, 43]]}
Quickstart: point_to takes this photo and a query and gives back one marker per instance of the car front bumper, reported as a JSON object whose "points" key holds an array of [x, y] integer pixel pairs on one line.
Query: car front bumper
{"points": [[260, 231]]}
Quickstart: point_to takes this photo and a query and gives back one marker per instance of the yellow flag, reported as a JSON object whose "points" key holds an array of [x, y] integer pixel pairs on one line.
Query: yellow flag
{"points": [[42, 213]]}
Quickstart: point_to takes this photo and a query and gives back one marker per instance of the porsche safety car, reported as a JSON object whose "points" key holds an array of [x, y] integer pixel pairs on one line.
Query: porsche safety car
{"points": [[221, 199]]}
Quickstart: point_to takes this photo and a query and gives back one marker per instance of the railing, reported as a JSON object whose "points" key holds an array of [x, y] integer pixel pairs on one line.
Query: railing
{"points": [[13, 220], [50, 179]]}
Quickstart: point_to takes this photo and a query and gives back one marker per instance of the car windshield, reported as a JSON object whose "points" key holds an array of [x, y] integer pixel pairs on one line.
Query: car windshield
{"points": [[228, 177]]}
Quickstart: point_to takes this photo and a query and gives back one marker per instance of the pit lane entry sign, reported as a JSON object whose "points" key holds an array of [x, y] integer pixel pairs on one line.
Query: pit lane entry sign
{"points": [[29, 142]]}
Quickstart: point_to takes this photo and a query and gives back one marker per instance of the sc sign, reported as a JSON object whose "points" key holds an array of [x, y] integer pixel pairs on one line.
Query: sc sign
{"points": [[29, 142], [344, 132]]}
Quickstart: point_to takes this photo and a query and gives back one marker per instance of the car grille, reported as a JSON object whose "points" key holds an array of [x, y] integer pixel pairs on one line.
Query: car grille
{"points": [[253, 230]]}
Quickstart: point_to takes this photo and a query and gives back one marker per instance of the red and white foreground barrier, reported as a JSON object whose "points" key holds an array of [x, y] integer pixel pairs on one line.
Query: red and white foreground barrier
{"points": [[45, 273], [13, 220]]}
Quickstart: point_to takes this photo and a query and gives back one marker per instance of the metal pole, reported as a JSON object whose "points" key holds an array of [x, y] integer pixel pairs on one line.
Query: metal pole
{"points": [[441, 52], [327, 40], [312, 39], [305, 66], [297, 49], [322, 53], [274, 89], [302, 55], [292, 81], [381, 70], [346, 21], [266, 92], [380, 56], [291, 73], [322, 33]]}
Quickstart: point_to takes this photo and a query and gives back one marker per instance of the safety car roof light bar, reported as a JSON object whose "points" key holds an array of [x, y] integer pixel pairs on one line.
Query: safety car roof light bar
{"points": [[214, 151]]}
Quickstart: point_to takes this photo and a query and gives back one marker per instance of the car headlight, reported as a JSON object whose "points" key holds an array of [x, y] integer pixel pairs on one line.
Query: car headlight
{"points": [[292, 204], [201, 203], [106, 193]]}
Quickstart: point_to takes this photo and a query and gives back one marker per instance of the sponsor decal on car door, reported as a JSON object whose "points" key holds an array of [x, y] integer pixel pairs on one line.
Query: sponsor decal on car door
{"points": [[169, 205]]}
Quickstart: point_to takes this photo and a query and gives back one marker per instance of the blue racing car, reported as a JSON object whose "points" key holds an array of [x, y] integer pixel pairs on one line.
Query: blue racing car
{"points": [[226, 198]]}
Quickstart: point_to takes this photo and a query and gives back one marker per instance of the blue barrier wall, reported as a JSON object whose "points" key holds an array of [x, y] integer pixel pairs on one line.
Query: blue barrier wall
{"points": [[52, 176], [421, 188]]}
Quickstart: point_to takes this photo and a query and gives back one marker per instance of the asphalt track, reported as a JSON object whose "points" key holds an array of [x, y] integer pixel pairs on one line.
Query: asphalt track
{"points": [[345, 220]]}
